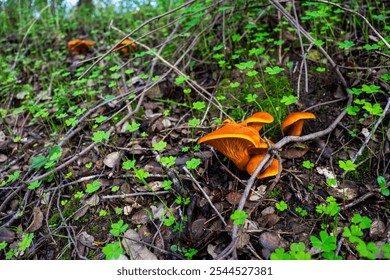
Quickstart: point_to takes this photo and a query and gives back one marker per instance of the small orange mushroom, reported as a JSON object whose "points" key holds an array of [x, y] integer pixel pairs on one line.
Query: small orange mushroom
{"points": [[257, 120], [293, 124], [271, 170], [234, 142], [124, 46], [79, 46]]}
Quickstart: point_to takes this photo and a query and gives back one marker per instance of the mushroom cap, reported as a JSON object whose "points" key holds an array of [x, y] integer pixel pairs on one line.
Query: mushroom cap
{"points": [[257, 120], [255, 160], [234, 142], [124, 46], [293, 123], [79, 46]]}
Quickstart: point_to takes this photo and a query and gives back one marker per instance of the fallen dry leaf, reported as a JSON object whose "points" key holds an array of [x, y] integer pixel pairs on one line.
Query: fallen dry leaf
{"points": [[140, 217], [111, 159], [135, 250], [6, 235], [37, 220], [297, 151], [233, 197]]}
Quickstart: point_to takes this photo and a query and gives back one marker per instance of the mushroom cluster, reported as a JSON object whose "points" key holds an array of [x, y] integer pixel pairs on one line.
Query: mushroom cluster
{"points": [[124, 46], [79, 46], [82, 46], [242, 144]]}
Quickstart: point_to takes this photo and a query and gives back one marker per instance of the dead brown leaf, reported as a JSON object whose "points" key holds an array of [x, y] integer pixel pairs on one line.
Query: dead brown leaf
{"points": [[37, 220]]}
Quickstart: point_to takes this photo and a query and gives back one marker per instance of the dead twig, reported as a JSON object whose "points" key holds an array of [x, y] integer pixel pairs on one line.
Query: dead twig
{"points": [[359, 200], [115, 196]]}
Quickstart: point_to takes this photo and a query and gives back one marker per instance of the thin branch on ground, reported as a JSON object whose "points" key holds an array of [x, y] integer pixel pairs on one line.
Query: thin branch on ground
{"points": [[115, 196]]}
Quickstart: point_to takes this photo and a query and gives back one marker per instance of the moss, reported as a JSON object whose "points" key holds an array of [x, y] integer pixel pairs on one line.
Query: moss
{"points": [[359, 174]]}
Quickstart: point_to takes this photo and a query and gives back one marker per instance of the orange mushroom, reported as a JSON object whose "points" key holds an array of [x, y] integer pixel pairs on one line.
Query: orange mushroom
{"points": [[271, 170], [257, 120], [293, 124], [124, 46], [260, 149], [79, 46], [234, 142]]}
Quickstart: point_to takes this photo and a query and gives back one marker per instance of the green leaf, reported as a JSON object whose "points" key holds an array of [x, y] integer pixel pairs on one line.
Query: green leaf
{"points": [[246, 65], [326, 242], [38, 161], [363, 222], [236, 37], [279, 254], [113, 251], [346, 44], [347, 165], [274, 70], [100, 135], [194, 122], [281, 206], [159, 146], [381, 181], [252, 73], [356, 231], [288, 100], [55, 153], [331, 256], [3, 245], [385, 191], [129, 164], [169, 221], [167, 185], [355, 91], [372, 47], [239, 217], [199, 105], [34, 185], [251, 97], [26, 242], [234, 85], [168, 161], [375, 110], [308, 164], [13, 177], [296, 247], [256, 51], [118, 228], [352, 110], [331, 182], [347, 232], [134, 126], [181, 79], [91, 188], [371, 88], [141, 174], [193, 163]]}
